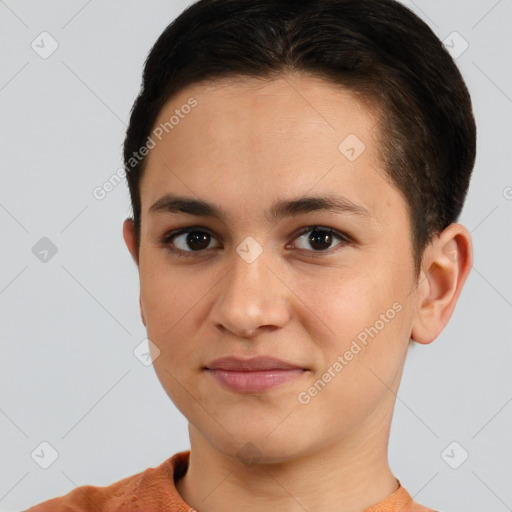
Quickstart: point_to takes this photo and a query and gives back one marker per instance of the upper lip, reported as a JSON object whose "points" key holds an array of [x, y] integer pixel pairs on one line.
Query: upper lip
{"points": [[253, 364]]}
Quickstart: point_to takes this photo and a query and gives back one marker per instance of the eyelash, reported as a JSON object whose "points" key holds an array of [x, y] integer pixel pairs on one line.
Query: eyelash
{"points": [[169, 237]]}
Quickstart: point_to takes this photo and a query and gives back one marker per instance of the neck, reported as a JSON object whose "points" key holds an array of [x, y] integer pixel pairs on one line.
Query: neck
{"points": [[348, 476]]}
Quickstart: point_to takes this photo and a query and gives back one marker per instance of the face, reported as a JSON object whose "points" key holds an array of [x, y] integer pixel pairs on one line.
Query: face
{"points": [[301, 254]]}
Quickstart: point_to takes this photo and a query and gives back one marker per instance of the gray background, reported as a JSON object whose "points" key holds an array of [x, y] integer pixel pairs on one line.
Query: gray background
{"points": [[70, 324]]}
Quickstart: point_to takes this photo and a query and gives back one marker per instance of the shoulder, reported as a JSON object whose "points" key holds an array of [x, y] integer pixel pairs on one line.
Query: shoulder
{"points": [[400, 500], [148, 488]]}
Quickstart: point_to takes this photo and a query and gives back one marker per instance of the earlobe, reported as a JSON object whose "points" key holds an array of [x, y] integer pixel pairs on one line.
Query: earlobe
{"points": [[130, 240], [448, 261]]}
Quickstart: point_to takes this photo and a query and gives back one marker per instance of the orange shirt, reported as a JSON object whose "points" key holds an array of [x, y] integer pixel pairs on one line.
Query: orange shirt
{"points": [[154, 490]]}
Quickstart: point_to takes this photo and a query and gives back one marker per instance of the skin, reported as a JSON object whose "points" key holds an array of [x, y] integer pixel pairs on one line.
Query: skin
{"points": [[247, 144]]}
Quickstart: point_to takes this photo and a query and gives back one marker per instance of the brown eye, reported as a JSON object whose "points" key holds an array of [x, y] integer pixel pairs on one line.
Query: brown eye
{"points": [[319, 239], [197, 240], [189, 240]]}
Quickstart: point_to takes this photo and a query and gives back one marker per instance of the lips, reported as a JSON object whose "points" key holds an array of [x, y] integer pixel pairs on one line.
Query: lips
{"points": [[254, 375], [251, 365]]}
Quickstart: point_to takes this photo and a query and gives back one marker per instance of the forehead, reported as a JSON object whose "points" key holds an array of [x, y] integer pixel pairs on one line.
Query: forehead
{"points": [[255, 140]]}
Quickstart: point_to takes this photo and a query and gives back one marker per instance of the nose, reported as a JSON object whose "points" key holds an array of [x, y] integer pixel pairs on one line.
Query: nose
{"points": [[250, 299]]}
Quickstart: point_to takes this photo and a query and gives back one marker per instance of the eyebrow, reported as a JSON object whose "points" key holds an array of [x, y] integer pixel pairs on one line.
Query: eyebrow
{"points": [[170, 203]]}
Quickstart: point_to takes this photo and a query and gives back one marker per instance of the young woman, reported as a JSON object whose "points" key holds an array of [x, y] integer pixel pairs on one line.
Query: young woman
{"points": [[296, 170]]}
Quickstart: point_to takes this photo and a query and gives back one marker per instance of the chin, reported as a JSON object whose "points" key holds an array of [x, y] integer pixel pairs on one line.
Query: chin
{"points": [[254, 446]]}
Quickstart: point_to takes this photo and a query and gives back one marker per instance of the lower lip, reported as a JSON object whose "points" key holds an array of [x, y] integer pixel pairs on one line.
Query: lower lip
{"points": [[254, 382]]}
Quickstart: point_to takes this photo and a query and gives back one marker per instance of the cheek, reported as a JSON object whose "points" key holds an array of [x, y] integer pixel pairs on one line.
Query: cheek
{"points": [[346, 301], [167, 293], [168, 299], [361, 362], [368, 316]]}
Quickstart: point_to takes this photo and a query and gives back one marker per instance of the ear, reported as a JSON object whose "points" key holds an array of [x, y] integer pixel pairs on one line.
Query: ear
{"points": [[446, 264], [131, 243], [142, 311], [130, 240]]}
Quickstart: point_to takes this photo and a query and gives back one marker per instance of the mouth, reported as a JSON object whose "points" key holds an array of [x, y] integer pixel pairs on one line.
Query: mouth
{"points": [[254, 375]]}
